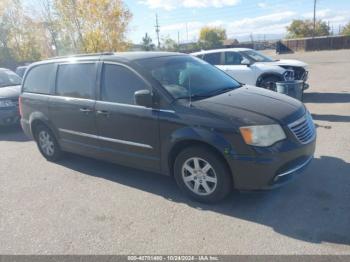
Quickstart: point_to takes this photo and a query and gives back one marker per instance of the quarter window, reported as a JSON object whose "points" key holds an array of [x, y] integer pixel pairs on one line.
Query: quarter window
{"points": [[39, 79], [119, 84], [213, 58], [76, 80]]}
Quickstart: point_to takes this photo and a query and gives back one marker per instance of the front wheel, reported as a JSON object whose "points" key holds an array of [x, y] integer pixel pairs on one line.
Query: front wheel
{"points": [[202, 175], [269, 83]]}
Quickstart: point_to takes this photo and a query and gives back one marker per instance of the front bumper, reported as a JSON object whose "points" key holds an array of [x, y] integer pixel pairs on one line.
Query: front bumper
{"points": [[271, 167], [9, 116]]}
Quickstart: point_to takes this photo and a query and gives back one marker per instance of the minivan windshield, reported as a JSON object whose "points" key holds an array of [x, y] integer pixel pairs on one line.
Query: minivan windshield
{"points": [[256, 56], [187, 77], [9, 78]]}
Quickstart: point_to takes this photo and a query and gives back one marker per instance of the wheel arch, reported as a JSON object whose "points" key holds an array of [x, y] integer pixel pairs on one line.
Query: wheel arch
{"points": [[268, 74], [187, 143], [37, 119]]}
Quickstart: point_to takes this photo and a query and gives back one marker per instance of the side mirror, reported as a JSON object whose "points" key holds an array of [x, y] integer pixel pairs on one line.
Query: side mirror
{"points": [[245, 61], [143, 98]]}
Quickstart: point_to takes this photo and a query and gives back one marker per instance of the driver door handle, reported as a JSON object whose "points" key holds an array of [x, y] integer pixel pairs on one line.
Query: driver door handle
{"points": [[103, 112], [85, 110]]}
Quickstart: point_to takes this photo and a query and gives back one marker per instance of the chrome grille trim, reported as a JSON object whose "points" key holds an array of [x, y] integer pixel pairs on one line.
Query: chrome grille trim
{"points": [[295, 169], [303, 129]]}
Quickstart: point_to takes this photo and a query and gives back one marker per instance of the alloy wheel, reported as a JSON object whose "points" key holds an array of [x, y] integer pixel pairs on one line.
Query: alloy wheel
{"points": [[46, 143], [199, 176]]}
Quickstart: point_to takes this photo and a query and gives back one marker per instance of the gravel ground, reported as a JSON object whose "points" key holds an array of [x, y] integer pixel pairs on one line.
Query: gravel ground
{"points": [[84, 206]]}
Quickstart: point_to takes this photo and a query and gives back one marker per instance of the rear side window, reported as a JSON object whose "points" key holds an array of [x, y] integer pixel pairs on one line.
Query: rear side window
{"points": [[213, 58], [76, 80], [39, 79], [119, 84]]}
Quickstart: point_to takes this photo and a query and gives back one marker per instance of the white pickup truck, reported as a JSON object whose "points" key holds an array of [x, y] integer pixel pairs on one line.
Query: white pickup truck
{"points": [[253, 68]]}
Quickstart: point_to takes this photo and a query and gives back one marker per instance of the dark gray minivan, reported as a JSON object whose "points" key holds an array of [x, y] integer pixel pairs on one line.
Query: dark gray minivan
{"points": [[169, 113]]}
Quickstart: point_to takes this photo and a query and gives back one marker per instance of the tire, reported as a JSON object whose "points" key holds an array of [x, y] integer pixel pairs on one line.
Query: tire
{"points": [[202, 175], [47, 143], [269, 82]]}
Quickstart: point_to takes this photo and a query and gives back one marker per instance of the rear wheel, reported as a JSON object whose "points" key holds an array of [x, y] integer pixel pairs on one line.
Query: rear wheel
{"points": [[202, 175], [47, 143]]}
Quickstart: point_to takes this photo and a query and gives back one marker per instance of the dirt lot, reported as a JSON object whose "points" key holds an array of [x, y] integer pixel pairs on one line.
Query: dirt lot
{"points": [[83, 206]]}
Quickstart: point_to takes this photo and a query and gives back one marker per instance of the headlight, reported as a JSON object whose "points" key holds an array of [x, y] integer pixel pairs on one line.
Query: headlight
{"points": [[262, 135], [289, 75], [6, 103]]}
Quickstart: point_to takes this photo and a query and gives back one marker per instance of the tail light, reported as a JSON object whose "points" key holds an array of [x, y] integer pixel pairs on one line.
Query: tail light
{"points": [[20, 106]]}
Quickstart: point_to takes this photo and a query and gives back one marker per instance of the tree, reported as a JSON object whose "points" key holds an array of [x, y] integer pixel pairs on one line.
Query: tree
{"points": [[94, 25], [211, 37], [304, 28], [22, 36], [50, 24], [147, 43], [170, 44], [346, 30]]}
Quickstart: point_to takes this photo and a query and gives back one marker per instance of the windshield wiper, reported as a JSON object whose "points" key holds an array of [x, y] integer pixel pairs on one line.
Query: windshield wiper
{"points": [[191, 97], [209, 94], [219, 91]]}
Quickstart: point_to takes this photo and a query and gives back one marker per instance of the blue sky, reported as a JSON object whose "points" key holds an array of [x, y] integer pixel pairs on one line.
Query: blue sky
{"points": [[240, 18]]}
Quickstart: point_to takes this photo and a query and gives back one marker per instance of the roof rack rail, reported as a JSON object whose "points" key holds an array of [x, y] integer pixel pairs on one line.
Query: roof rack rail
{"points": [[83, 55]]}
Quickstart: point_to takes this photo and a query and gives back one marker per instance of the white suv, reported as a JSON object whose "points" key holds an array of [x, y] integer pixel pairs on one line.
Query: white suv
{"points": [[253, 68]]}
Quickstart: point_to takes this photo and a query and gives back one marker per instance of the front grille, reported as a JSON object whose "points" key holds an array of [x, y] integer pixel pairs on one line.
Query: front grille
{"points": [[299, 72], [304, 129]]}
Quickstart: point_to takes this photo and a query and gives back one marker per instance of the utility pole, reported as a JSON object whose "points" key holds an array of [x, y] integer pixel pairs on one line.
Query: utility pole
{"points": [[157, 30], [178, 40], [314, 29], [187, 31], [251, 38]]}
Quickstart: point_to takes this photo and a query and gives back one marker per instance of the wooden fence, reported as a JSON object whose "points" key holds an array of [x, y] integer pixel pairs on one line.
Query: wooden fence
{"points": [[316, 44]]}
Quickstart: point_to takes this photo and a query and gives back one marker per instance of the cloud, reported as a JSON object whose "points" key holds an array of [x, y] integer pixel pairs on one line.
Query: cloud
{"points": [[173, 4], [328, 15], [272, 24], [269, 24], [262, 5]]}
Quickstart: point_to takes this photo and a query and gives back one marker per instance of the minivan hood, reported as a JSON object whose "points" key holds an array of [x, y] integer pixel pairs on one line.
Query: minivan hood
{"points": [[10, 91], [287, 62], [252, 105]]}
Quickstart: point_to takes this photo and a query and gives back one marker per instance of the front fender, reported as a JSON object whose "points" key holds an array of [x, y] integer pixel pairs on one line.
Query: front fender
{"points": [[192, 135]]}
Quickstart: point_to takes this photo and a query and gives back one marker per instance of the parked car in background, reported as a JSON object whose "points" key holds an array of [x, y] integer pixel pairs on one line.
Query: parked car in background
{"points": [[254, 68], [169, 113], [9, 92], [21, 70]]}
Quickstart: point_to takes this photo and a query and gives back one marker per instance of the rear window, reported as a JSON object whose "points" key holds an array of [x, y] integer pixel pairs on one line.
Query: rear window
{"points": [[9, 78], [76, 80], [39, 79]]}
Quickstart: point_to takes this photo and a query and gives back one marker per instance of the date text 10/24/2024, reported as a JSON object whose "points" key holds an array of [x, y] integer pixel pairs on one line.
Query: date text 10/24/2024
{"points": [[173, 258]]}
